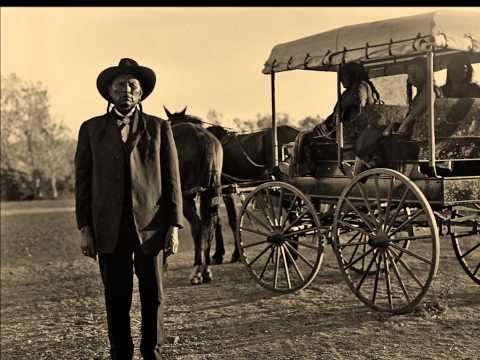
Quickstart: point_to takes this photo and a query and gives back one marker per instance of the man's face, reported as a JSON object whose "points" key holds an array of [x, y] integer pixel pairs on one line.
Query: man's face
{"points": [[125, 92]]}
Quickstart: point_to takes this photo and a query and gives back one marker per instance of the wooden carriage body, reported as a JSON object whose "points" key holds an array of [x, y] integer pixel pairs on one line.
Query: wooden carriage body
{"points": [[384, 224], [457, 132]]}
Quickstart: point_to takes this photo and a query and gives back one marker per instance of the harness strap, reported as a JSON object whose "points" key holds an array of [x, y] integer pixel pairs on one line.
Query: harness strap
{"points": [[236, 179], [231, 136]]}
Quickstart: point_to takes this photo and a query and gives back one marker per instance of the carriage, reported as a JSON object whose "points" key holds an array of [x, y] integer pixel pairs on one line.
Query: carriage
{"points": [[384, 224]]}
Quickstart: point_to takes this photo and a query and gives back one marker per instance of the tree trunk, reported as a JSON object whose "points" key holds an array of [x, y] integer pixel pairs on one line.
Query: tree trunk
{"points": [[53, 182]]}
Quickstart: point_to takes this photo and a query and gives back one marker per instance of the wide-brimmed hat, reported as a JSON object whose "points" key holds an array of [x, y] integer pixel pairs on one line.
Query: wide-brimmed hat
{"points": [[145, 75]]}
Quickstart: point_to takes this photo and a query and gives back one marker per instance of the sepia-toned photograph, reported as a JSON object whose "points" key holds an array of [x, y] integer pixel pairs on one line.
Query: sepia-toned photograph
{"points": [[209, 183]]}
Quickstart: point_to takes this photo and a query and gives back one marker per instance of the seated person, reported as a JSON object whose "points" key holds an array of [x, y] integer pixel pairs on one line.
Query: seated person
{"points": [[359, 92], [417, 106], [368, 147], [459, 79]]}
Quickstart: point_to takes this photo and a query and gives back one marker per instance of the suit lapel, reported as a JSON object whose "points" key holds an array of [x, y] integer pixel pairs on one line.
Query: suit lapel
{"points": [[135, 137], [110, 137]]}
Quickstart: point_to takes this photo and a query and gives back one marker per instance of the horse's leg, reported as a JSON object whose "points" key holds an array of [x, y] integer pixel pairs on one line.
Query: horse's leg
{"points": [[190, 213], [232, 221], [209, 216], [217, 258]]}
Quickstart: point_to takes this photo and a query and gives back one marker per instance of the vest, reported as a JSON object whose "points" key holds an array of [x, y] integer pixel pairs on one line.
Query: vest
{"points": [[128, 239]]}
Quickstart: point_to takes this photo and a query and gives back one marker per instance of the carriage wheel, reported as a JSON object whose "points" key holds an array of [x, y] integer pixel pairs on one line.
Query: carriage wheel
{"points": [[373, 224], [466, 244], [280, 238], [361, 266]]}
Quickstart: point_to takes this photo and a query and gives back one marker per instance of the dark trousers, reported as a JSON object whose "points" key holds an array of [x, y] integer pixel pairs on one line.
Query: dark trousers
{"points": [[117, 274]]}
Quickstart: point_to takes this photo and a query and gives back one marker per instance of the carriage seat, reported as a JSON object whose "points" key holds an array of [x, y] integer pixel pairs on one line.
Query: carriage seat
{"points": [[457, 129]]}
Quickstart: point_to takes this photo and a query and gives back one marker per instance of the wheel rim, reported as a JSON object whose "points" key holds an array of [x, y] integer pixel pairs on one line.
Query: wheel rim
{"points": [[373, 225], [280, 238], [466, 244]]}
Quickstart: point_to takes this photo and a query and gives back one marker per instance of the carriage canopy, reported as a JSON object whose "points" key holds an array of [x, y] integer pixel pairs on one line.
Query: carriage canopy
{"points": [[382, 42]]}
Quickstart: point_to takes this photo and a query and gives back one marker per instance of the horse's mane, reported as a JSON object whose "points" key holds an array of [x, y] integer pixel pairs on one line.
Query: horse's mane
{"points": [[218, 131], [179, 117]]}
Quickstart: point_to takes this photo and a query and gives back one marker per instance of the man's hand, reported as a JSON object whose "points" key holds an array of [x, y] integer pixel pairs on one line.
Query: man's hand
{"points": [[402, 130], [405, 125], [388, 130], [171, 241], [87, 243]]}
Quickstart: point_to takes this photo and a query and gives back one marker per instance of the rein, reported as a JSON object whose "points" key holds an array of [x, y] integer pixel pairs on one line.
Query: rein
{"points": [[236, 179], [232, 135]]}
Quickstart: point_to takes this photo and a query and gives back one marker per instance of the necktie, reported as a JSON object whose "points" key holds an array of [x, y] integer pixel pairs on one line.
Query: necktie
{"points": [[124, 126], [124, 122]]}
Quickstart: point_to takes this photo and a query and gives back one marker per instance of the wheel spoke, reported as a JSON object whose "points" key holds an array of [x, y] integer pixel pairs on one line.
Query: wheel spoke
{"points": [[260, 254], [388, 282], [363, 260], [365, 273], [354, 252], [299, 255], [365, 197], [299, 217], [377, 195], [353, 237], [272, 208], [425, 260], [471, 250], [389, 200], [397, 210], [302, 244], [354, 244], [358, 259], [362, 216], [299, 232], [377, 276], [266, 263], [277, 260], [297, 269], [254, 244], [397, 274], [280, 208], [262, 207], [476, 269], [285, 267], [290, 208], [408, 221], [351, 227], [254, 231], [251, 214], [412, 274]]}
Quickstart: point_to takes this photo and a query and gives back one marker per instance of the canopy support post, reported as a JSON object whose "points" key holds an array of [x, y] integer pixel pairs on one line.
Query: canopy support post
{"points": [[338, 122], [431, 112], [274, 125]]}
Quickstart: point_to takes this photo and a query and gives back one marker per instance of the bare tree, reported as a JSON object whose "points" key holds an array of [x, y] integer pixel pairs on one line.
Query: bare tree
{"points": [[214, 117], [31, 142], [309, 122], [53, 154]]}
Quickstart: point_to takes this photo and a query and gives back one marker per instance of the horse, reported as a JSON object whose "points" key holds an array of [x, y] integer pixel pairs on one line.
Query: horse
{"points": [[200, 157], [247, 157]]}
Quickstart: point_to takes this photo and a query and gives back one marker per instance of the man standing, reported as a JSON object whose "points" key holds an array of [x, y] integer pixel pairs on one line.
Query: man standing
{"points": [[128, 203]]}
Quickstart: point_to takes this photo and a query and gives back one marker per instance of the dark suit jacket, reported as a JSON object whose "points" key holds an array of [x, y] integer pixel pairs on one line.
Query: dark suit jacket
{"points": [[99, 181]]}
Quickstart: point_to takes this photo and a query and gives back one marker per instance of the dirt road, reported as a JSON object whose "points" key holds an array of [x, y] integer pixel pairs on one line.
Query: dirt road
{"points": [[52, 307]]}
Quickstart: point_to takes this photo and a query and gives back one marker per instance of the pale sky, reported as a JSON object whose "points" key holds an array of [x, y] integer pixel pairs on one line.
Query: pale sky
{"points": [[206, 58]]}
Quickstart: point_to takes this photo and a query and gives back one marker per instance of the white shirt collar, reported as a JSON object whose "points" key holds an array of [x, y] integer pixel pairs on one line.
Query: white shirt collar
{"points": [[130, 113]]}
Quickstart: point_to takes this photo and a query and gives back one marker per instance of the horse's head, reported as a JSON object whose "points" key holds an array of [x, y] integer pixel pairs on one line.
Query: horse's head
{"points": [[218, 131], [181, 117]]}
